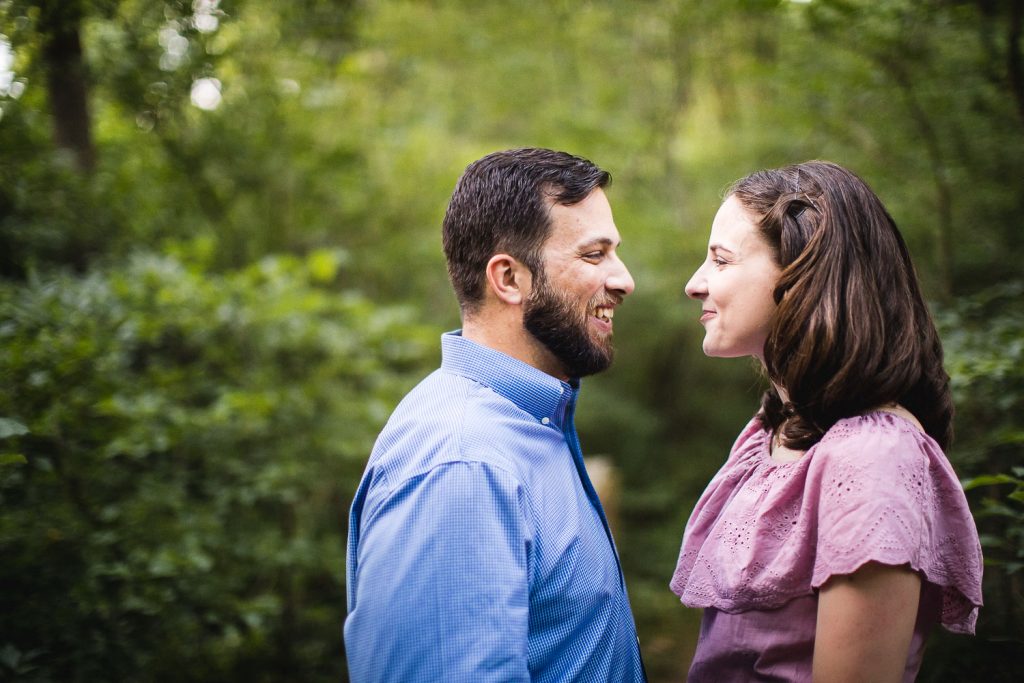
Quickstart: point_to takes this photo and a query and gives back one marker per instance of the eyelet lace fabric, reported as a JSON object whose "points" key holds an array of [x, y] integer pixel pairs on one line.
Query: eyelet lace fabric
{"points": [[873, 489]]}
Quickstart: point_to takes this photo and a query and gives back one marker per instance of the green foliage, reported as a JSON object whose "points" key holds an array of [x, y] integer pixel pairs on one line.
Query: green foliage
{"points": [[984, 342], [179, 449]]}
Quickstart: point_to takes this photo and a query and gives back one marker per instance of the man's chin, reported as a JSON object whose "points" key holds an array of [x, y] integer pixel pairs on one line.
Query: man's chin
{"points": [[595, 363], [575, 342]]}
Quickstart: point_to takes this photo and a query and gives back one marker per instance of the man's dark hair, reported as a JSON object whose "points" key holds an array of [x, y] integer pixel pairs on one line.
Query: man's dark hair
{"points": [[852, 331], [502, 204]]}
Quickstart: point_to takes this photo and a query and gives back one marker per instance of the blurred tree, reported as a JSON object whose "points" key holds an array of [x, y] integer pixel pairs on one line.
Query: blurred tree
{"points": [[186, 100], [59, 26]]}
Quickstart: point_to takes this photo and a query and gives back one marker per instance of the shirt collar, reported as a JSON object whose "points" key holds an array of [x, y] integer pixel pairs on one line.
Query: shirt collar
{"points": [[538, 393]]}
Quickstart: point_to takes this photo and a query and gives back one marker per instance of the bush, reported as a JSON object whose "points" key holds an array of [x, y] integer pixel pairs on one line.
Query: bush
{"points": [[984, 342], [177, 454]]}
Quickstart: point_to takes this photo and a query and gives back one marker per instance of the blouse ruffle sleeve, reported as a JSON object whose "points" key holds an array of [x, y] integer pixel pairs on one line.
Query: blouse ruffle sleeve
{"points": [[886, 493], [873, 489]]}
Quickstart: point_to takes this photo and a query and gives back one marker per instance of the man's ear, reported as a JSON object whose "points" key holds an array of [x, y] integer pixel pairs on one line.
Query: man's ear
{"points": [[508, 279]]}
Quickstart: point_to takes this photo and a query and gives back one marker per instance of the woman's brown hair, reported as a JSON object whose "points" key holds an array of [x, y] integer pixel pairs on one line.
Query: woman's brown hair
{"points": [[852, 331]]}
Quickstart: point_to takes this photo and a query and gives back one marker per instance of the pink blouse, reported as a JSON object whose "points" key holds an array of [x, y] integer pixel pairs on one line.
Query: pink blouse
{"points": [[765, 535]]}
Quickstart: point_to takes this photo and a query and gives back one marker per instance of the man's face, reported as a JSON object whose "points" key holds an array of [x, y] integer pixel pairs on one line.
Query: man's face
{"points": [[572, 302]]}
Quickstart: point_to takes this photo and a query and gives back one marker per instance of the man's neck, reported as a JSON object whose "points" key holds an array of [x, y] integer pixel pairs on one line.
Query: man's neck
{"points": [[505, 333]]}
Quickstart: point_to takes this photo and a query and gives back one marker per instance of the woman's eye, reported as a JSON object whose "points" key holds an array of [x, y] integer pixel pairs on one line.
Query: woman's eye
{"points": [[719, 261]]}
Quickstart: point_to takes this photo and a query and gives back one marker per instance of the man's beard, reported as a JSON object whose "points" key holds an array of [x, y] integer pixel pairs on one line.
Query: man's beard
{"points": [[564, 329]]}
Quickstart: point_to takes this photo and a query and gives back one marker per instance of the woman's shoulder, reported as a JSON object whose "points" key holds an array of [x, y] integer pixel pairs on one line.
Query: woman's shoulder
{"points": [[880, 457], [883, 437]]}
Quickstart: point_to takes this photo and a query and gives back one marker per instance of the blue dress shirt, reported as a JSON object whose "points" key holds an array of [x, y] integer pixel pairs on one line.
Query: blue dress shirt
{"points": [[478, 550]]}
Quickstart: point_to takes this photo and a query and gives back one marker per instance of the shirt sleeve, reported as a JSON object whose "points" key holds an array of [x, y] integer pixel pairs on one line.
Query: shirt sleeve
{"points": [[441, 580], [889, 495]]}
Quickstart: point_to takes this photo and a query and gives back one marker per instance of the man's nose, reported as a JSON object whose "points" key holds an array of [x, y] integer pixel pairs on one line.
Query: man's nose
{"points": [[621, 280]]}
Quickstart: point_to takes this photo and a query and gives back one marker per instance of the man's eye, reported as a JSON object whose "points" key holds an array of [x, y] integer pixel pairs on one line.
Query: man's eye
{"points": [[593, 255]]}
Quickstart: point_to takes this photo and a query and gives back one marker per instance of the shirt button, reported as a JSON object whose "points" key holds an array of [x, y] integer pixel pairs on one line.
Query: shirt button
{"points": [[544, 420]]}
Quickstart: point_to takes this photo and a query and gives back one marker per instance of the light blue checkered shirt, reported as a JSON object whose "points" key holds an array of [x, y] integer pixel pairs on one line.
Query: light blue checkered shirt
{"points": [[478, 550]]}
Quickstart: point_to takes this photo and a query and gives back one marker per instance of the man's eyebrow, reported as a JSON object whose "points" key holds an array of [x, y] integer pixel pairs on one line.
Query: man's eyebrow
{"points": [[600, 241]]}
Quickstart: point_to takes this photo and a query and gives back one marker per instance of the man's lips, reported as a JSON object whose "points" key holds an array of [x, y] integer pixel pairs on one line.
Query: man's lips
{"points": [[601, 317]]}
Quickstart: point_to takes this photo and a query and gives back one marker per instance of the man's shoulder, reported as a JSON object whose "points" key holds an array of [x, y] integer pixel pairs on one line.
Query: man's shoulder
{"points": [[450, 403], [450, 418]]}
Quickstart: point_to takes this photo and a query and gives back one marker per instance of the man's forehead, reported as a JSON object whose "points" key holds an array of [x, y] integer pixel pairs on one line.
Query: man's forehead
{"points": [[584, 235], [584, 223]]}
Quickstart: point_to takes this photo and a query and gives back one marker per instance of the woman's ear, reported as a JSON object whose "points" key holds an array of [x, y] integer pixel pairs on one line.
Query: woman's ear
{"points": [[508, 279]]}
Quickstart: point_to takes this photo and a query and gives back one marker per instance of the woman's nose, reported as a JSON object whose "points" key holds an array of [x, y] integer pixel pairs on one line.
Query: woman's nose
{"points": [[697, 288]]}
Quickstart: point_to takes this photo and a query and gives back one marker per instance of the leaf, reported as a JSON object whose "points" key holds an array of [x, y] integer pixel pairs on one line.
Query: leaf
{"points": [[323, 265], [10, 656], [989, 480], [12, 459], [1010, 437], [9, 427], [991, 541]]}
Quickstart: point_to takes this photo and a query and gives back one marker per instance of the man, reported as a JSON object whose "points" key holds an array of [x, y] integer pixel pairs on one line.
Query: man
{"points": [[478, 550]]}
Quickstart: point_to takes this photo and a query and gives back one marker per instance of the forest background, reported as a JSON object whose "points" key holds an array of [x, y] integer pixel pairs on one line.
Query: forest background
{"points": [[220, 269]]}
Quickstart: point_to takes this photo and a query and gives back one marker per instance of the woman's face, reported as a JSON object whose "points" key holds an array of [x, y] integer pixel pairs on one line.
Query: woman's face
{"points": [[734, 285]]}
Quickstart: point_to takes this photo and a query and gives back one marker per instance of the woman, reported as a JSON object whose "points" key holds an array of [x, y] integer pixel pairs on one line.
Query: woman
{"points": [[836, 535]]}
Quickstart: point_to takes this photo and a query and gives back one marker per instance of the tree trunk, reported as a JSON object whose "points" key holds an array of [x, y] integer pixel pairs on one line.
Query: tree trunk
{"points": [[59, 26], [1013, 55]]}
